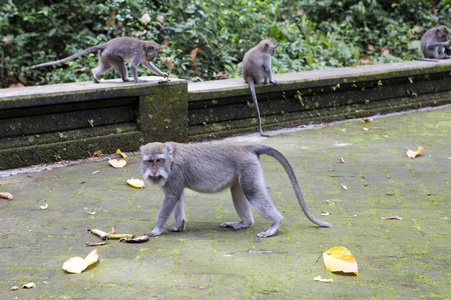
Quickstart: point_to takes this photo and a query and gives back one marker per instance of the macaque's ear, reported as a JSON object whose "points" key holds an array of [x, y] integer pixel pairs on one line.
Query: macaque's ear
{"points": [[168, 149]]}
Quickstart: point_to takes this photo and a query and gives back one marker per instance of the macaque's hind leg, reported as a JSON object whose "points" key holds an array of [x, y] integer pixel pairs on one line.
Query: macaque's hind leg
{"points": [[118, 63], [179, 213], [103, 67], [255, 190], [243, 209]]}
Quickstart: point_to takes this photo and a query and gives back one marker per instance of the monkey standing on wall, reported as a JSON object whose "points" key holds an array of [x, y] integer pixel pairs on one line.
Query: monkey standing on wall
{"points": [[210, 168], [435, 43], [257, 69], [113, 54]]}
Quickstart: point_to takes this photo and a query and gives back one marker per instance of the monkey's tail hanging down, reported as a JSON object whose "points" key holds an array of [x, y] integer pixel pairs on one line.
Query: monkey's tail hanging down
{"points": [[100, 47], [254, 98], [261, 149]]}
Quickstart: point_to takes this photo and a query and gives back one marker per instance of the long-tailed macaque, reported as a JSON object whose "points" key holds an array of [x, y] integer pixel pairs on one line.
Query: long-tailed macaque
{"points": [[434, 43], [113, 54], [210, 168], [257, 69]]}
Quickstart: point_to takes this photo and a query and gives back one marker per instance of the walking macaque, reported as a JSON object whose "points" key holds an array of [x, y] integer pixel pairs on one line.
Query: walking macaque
{"points": [[435, 43], [257, 69], [113, 54], [210, 168]]}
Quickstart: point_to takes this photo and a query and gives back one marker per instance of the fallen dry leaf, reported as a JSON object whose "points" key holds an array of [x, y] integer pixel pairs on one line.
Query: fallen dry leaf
{"points": [[365, 129], [77, 264], [340, 259], [117, 163], [330, 202], [6, 195], [137, 183], [14, 288], [44, 206], [29, 285], [325, 213], [366, 121], [391, 218], [98, 153], [118, 151], [341, 160], [220, 75], [10, 182], [413, 154], [322, 279], [48, 169], [353, 216], [344, 187]]}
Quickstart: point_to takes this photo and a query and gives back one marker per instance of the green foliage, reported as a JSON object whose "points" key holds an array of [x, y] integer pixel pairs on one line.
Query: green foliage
{"points": [[203, 37]]}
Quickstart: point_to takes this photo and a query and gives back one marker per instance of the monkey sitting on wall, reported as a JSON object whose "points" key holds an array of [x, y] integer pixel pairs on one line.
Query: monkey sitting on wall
{"points": [[435, 43], [208, 168], [257, 69], [113, 54]]}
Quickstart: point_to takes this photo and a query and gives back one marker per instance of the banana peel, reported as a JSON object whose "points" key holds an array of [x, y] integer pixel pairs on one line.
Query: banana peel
{"points": [[138, 239], [165, 79], [114, 236]]}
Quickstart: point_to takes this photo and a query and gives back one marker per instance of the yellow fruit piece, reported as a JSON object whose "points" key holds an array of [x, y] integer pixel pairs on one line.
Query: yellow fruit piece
{"points": [[117, 163], [118, 151], [137, 183], [413, 154], [77, 264], [340, 259]]}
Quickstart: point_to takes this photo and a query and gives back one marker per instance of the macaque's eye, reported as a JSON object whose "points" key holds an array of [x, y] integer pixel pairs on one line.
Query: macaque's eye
{"points": [[152, 161]]}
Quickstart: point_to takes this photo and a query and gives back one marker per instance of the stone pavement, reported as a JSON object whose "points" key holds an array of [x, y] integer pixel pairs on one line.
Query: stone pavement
{"points": [[398, 259]]}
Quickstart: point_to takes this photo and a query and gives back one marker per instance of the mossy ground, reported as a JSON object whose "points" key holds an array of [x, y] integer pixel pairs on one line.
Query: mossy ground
{"points": [[398, 259]]}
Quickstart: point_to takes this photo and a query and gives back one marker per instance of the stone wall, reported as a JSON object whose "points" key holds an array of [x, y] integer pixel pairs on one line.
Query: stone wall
{"points": [[70, 121]]}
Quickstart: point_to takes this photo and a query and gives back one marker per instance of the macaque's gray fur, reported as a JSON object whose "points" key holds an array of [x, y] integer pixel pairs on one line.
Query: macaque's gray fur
{"points": [[113, 54], [257, 69], [210, 168], [434, 43]]}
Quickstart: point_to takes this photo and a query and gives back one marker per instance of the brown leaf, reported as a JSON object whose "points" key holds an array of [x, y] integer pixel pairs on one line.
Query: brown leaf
{"points": [[370, 47], [16, 85], [385, 52], [220, 76], [365, 60], [300, 12], [168, 61], [145, 19], [194, 54], [6, 40], [165, 42], [416, 29], [98, 153], [341, 160]]}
